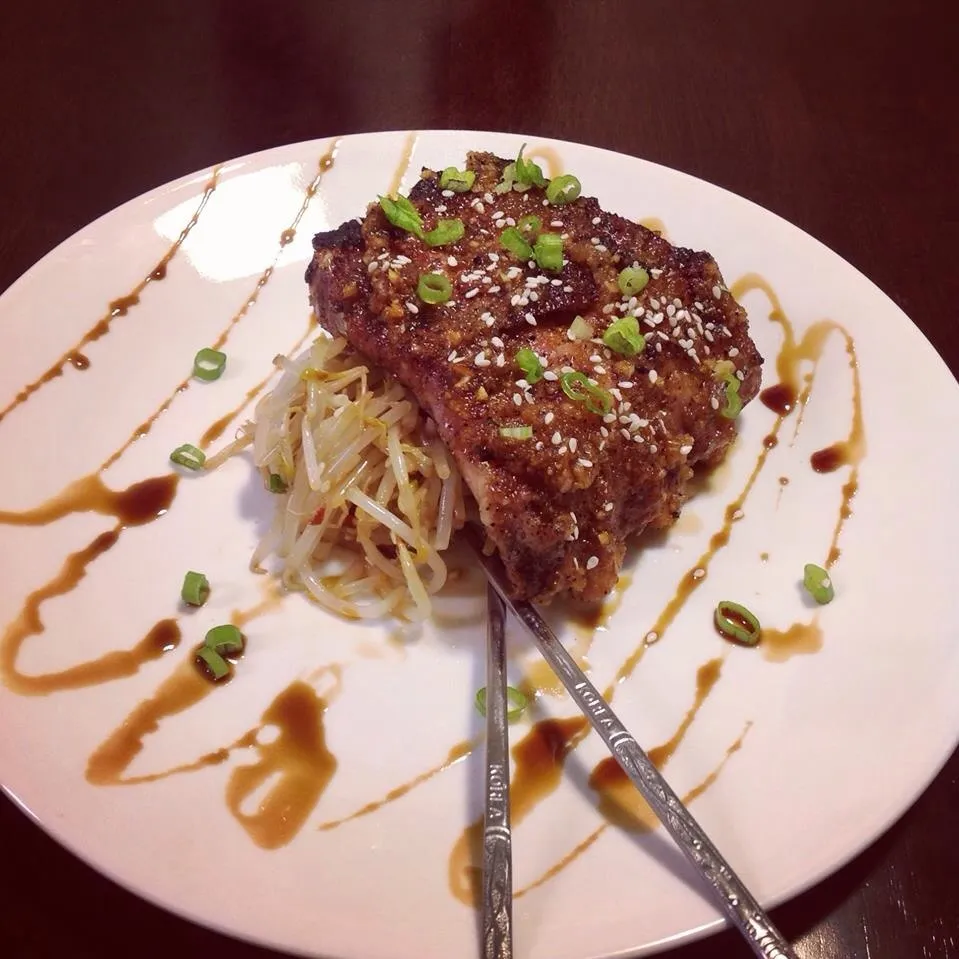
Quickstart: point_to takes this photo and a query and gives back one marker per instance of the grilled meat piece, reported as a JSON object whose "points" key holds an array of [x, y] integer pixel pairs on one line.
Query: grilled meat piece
{"points": [[560, 505]]}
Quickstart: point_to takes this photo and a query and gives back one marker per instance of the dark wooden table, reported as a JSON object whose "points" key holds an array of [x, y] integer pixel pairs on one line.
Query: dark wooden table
{"points": [[840, 116]]}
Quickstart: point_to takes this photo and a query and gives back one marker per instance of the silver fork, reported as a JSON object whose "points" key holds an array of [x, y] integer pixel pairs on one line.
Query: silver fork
{"points": [[497, 844]]}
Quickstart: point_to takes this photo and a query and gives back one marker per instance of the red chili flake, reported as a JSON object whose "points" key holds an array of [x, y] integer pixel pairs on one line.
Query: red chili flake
{"points": [[318, 517]]}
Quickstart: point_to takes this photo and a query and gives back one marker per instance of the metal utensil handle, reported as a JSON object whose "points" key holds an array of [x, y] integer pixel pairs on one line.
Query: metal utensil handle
{"points": [[497, 844], [736, 900]]}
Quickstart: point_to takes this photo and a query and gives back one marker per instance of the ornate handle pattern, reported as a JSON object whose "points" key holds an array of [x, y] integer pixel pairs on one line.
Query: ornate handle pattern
{"points": [[497, 844]]}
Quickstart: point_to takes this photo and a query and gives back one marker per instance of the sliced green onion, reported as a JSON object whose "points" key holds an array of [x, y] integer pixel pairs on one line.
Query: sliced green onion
{"points": [[459, 181], [548, 251], [401, 212], [624, 337], [530, 364], [446, 231], [509, 177], [529, 227], [189, 456], [563, 189], [209, 364], [818, 583], [520, 175], [632, 280], [577, 387], [579, 329], [516, 432], [212, 663], [195, 589], [516, 702], [734, 403], [434, 288], [511, 239], [529, 172], [226, 640], [738, 623], [276, 483]]}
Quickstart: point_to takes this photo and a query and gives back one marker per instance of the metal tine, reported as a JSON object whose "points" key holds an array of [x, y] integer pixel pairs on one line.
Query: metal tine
{"points": [[497, 841]]}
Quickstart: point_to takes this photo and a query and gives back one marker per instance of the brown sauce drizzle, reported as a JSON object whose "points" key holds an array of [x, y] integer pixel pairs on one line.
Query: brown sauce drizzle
{"points": [[28, 622], [456, 753], [778, 645], [619, 800], [539, 759], [118, 307], [213, 432], [644, 820], [404, 163], [79, 361], [770, 441], [140, 503], [299, 760]]}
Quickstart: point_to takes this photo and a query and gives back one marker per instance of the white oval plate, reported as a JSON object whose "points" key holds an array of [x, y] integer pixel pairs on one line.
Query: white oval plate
{"points": [[841, 742]]}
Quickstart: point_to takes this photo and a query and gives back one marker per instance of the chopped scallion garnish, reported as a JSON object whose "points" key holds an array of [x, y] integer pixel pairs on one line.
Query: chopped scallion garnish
{"points": [[188, 456], [548, 251], [401, 213], [577, 387], [511, 239], [212, 663], [516, 702], [528, 171], [459, 181], [209, 364], [563, 189], [818, 583], [623, 336], [276, 483], [529, 227], [632, 280], [434, 288], [516, 432], [579, 329], [446, 231], [530, 364], [195, 589], [738, 623], [227, 640]]}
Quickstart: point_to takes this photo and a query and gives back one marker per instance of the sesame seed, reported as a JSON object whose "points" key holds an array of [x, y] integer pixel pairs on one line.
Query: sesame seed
{"points": [[653, 448], [594, 240], [550, 375], [489, 198], [717, 292], [556, 223], [531, 319], [412, 307], [478, 206], [517, 399], [533, 295], [469, 294], [625, 434], [654, 303], [625, 384], [586, 464], [653, 376], [638, 438], [539, 444], [372, 266], [573, 442], [498, 215], [608, 507], [480, 360], [497, 342], [548, 418], [501, 360], [562, 452], [567, 289], [499, 224], [603, 432], [699, 572], [451, 260], [670, 310], [733, 352], [685, 450], [441, 208], [738, 514], [601, 370], [596, 221], [592, 562], [448, 193], [609, 418], [652, 637], [557, 438], [601, 248]]}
